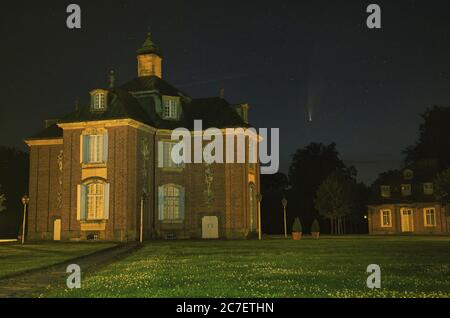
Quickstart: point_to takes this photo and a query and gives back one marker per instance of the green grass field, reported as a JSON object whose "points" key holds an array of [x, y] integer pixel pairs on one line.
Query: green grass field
{"points": [[330, 267], [16, 258]]}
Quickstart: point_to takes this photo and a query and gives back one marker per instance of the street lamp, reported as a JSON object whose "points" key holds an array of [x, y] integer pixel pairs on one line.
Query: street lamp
{"points": [[284, 203], [259, 198], [141, 225], [25, 201]]}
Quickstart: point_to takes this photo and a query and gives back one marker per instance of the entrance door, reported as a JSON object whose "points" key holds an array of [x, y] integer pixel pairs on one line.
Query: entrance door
{"points": [[57, 230], [407, 220], [210, 227]]}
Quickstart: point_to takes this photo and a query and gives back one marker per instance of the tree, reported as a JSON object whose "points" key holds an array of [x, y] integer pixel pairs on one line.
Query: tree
{"points": [[310, 166], [442, 186], [14, 167], [2, 201], [434, 139], [335, 199], [273, 189]]}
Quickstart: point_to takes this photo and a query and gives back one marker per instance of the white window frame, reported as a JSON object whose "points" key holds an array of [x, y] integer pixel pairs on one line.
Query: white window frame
{"points": [[93, 200], [99, 101], [165, 155], [170, 108], [432, 212], [171, 199], [389, 215], [96, 148]]}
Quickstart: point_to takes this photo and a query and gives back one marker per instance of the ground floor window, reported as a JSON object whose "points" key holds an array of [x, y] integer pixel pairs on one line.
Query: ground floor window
{"points": [[386, 220], [171, 202], [430, 216], [93, 200]]}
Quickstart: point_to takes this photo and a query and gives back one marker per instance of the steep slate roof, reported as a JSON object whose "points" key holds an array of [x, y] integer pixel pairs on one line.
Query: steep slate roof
{"points": [[423, 172], [51, 132], [151, 83], [122, 104]]}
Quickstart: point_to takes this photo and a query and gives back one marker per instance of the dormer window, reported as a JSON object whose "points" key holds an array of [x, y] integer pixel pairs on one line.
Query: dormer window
{"points": [[385, 191], [99, 100], [428, 188], [170, 107], [406, 189]]}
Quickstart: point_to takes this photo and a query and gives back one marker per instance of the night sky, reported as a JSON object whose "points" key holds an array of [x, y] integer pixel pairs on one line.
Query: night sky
{"points": [[365, 88]]}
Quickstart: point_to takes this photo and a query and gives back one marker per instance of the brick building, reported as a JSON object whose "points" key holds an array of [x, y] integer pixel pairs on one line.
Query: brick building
{"points": [[90, 170], [404, 202]]}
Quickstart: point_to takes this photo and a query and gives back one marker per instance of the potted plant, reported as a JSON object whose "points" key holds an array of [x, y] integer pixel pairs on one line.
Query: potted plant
{"points": [[315, 230], [297, 229]]}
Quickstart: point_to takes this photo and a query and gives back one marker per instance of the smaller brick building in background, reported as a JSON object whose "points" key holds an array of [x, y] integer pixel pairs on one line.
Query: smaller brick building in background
{"points": [[404, 202], [94, 171]]}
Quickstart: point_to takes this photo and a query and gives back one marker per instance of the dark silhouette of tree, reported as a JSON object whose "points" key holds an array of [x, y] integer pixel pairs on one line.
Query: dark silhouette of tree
{"points": [[434, 138], [14, 167], [2, 200], [442, 187], [273, 188], [309, 168], [336, 199]]}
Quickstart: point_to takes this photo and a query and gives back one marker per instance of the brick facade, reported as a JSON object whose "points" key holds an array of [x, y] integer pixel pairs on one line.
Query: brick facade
{"points": [[130, 172]]}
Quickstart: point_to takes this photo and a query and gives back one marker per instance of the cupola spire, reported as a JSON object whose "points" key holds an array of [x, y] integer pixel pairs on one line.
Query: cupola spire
{"points": [[149, 58]]}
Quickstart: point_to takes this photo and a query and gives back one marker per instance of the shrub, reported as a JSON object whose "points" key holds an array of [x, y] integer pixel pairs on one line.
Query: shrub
{"points": [[315, 226], [297, 226]]}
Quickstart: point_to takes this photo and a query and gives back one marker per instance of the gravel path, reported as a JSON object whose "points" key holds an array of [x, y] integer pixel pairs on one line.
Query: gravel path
{"points": [[33, 283]]}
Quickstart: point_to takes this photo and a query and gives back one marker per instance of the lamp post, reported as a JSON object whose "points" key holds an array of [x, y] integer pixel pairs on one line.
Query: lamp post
{"points": [[141, 223], [25, 201], [284, 203], [259, 198]]}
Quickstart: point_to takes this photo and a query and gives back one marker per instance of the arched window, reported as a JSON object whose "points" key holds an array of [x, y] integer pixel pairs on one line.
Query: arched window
{"points": [[93, 200], [252, 206], [171, 203]]}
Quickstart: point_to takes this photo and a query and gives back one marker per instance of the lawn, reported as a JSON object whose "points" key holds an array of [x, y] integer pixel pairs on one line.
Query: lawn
{"points": [[16, 258], [329, 267]]}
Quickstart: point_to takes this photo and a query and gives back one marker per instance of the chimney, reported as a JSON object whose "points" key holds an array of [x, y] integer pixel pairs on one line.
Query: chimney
{"points": [[49, 122], [112, 79]]}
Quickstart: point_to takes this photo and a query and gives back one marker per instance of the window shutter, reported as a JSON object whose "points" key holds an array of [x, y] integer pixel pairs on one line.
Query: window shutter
{"points": [[160, 154], [81, 148], [78, 202], [161, 202], [182, 202], [86, 141], [106, 205], [105, 147], [83, 202]]}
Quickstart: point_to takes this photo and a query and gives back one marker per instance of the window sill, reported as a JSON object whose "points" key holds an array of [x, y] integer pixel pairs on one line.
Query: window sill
{"points": [[93, 165], [170, 118], [171, 169], [93, 225], [178, 221]]}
